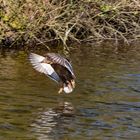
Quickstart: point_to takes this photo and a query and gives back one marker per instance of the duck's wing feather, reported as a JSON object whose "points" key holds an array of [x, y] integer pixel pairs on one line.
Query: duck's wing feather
{"points": [[54, 76], [56, 58], [37, 62]]}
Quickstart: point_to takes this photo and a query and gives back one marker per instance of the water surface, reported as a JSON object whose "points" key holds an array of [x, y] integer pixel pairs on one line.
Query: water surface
{"points": [[104, 106]]}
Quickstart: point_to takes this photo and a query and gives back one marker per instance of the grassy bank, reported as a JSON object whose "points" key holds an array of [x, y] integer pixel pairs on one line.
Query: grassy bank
{"points": [[29, 22]]}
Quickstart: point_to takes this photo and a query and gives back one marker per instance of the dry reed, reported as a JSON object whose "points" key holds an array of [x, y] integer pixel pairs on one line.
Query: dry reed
{"points": [[25, 22]]}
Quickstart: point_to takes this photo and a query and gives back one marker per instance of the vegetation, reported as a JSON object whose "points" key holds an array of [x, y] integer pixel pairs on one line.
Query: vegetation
{"points": [[28, 22]]}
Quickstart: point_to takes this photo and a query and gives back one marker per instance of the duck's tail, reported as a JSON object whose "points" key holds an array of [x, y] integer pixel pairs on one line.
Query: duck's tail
{"points": [[68, 88]]}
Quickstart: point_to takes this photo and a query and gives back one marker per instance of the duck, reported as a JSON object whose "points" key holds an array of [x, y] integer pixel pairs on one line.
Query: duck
{"points": [[57, 68]]}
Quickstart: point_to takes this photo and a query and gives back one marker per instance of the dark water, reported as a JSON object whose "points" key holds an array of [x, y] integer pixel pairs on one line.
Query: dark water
{"points": [[104, 106]]}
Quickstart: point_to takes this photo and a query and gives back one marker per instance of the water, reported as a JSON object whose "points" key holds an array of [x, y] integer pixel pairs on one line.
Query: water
{"points": [[104, 106]]}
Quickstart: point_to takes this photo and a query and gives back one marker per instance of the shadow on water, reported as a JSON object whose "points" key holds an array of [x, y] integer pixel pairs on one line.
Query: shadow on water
{"points": [[104, 105]]}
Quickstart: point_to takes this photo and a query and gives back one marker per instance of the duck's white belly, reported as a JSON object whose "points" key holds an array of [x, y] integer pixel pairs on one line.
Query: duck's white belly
{"points": [[68, 89]]}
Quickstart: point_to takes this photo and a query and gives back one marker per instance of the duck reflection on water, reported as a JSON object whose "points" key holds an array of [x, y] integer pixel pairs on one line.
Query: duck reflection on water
{"points": [[52, 120]]}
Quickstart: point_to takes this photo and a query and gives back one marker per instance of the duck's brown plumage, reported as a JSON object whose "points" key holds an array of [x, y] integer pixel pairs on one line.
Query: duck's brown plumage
{"points": [[62, 72], [61, 66], [53, 58]]}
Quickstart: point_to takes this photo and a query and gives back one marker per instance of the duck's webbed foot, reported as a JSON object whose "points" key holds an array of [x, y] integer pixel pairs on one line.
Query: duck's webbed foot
{"points": [[60, 90], [73, 83]]}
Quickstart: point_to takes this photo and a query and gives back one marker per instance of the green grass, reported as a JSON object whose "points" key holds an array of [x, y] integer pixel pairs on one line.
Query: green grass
{"points": [[29, 22]]}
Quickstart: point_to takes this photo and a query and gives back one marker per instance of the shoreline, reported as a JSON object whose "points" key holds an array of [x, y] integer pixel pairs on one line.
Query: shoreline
{"points": [[54, 23]]}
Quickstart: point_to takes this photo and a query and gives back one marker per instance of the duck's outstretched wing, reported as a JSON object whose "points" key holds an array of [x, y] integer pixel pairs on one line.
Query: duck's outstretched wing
{"points": [[37, 62], [56, 58]]}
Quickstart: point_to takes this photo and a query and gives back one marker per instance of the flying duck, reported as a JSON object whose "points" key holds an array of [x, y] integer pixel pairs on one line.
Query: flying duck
{"points": [[55, 67]]}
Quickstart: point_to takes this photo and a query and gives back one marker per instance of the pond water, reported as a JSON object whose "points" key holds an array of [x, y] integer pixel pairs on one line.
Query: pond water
{"points": [[104, 106]]}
